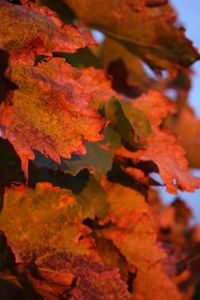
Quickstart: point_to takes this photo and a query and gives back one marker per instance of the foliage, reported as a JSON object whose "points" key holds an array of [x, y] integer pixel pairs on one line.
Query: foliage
{"points": [[83, 128]]}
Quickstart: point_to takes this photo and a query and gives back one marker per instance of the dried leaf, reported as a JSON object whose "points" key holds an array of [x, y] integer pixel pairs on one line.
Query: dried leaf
{"points": [[64, 277]]}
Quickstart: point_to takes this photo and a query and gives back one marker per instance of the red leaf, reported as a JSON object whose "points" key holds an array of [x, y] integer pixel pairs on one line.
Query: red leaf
{"points": [[50, 112], [34, 31]]}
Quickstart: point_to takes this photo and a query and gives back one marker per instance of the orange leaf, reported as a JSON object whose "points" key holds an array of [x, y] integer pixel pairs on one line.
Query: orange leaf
{"points": [[50, 112], [154, 284], [33, 31], [155, 107], [162, 146], [135, 235], [168, 155]]}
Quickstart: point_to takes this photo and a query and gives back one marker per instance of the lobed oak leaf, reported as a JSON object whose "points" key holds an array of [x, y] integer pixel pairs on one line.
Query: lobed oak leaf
{"points": [[50, 112], [33, 31], [162, 47]]}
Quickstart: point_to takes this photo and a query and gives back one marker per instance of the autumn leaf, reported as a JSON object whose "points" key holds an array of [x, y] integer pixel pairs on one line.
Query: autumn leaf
{"points": [[136, 75], [49, 231], [135, 238], [155, 107], [135, 24], [90, 279], [56, 276], [87, 225], [50, 112], [173, 167], [33, 31], [154, 284], [127, 120], [162, 146], [136, 227], [98, 159], [187, 127], [98, 82], [44, 229]]}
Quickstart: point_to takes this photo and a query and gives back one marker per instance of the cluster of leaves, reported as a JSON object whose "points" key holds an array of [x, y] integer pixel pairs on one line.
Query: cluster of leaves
{"points": [[83, 127]]}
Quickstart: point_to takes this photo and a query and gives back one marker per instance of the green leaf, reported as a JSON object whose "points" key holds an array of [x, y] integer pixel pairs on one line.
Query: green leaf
{"points": [[82, 58], [98, 159], [128, 121]]}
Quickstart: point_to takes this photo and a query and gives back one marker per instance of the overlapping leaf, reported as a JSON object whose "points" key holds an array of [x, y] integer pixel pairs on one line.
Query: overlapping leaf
{"points": [[135, 237], [45, 225], [59, 276], [94, 280], [134, 68], [138, 222], [135, 24], [99, 241], [162, 146], [98, 158], [50, 112], [37, 217], [127, 120], [30, 32]]}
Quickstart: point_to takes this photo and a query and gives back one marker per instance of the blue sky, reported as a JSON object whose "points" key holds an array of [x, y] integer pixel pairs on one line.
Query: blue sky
{"points": [[189, 15]]}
